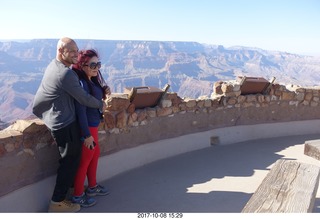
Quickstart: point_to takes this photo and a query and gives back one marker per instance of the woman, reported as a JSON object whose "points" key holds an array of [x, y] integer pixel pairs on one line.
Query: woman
{"points": [[89, 119]]}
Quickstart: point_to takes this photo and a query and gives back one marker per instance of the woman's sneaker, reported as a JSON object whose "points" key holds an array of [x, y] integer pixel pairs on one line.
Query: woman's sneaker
{"points": [[97, 190], [84, 200]]}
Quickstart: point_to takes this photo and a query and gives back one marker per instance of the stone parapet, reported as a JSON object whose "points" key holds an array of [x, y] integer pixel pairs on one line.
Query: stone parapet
{"points": [[28, 152]]}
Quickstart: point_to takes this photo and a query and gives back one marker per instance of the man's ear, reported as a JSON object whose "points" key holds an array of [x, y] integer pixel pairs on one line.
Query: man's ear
{"points": [[60, 50]]}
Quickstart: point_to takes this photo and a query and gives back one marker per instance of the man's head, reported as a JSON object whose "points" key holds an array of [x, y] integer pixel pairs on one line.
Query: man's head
{"points": [[67, 51]]}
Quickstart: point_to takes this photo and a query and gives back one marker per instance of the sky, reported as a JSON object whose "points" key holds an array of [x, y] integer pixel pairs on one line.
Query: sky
{"points": [[278, 25]]}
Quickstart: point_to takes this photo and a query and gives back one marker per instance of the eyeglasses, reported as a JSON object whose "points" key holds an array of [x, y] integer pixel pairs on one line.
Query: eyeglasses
{"points": [[94, 65]]}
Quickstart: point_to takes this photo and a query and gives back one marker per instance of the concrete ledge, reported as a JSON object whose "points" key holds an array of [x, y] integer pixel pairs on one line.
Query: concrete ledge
{"points": [[230, 135], [312, 149], [128, 159]]}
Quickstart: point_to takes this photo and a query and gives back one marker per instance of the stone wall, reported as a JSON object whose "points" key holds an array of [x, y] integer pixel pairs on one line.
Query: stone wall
{"points": [[28, 153]]}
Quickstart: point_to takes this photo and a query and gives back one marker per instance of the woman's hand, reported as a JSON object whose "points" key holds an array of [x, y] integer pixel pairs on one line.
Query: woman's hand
{"points": [[89, 142]]}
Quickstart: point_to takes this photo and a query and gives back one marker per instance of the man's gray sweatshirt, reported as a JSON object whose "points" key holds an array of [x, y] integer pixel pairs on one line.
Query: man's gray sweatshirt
{"points": [[54, 100]]}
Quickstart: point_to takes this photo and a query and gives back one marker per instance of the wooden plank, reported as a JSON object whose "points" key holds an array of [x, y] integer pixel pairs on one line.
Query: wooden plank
{"points": [[289, 187], [312, 149]]}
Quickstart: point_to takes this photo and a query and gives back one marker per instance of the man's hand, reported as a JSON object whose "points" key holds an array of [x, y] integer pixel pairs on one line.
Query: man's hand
{"points": [[104, 106], [107, 90]]}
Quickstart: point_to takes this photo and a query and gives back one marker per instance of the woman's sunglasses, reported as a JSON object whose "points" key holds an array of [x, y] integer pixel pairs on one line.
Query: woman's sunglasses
{"points": [[94, 65]]}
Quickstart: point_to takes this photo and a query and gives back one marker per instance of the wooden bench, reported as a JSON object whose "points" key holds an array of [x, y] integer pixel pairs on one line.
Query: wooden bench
{"points": [[312, 149], [289, 187]]}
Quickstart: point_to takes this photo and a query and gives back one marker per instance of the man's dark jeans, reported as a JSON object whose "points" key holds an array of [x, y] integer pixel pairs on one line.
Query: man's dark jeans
{"points": [[69, 145]]}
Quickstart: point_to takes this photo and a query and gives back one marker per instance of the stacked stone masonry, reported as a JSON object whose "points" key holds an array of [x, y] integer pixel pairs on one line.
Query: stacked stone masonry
{"points": [[28, 152]]}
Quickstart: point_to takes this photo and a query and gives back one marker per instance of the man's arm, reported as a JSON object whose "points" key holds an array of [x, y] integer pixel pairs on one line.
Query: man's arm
{"points": [[71, 84]]}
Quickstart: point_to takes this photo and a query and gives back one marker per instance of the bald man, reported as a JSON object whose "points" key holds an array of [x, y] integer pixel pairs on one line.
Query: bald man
{"points": [[54, 104]]}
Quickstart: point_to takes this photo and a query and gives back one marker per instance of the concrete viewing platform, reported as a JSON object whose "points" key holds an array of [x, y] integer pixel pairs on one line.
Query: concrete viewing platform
{"points": [[219, 179], [205, 177]]}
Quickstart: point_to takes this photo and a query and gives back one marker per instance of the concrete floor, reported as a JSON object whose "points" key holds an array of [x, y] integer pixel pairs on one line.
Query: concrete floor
{"points": [[218, 179]]}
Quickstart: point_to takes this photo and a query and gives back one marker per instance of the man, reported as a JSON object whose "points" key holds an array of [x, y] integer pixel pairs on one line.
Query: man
{"points": [[54, 104]]}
